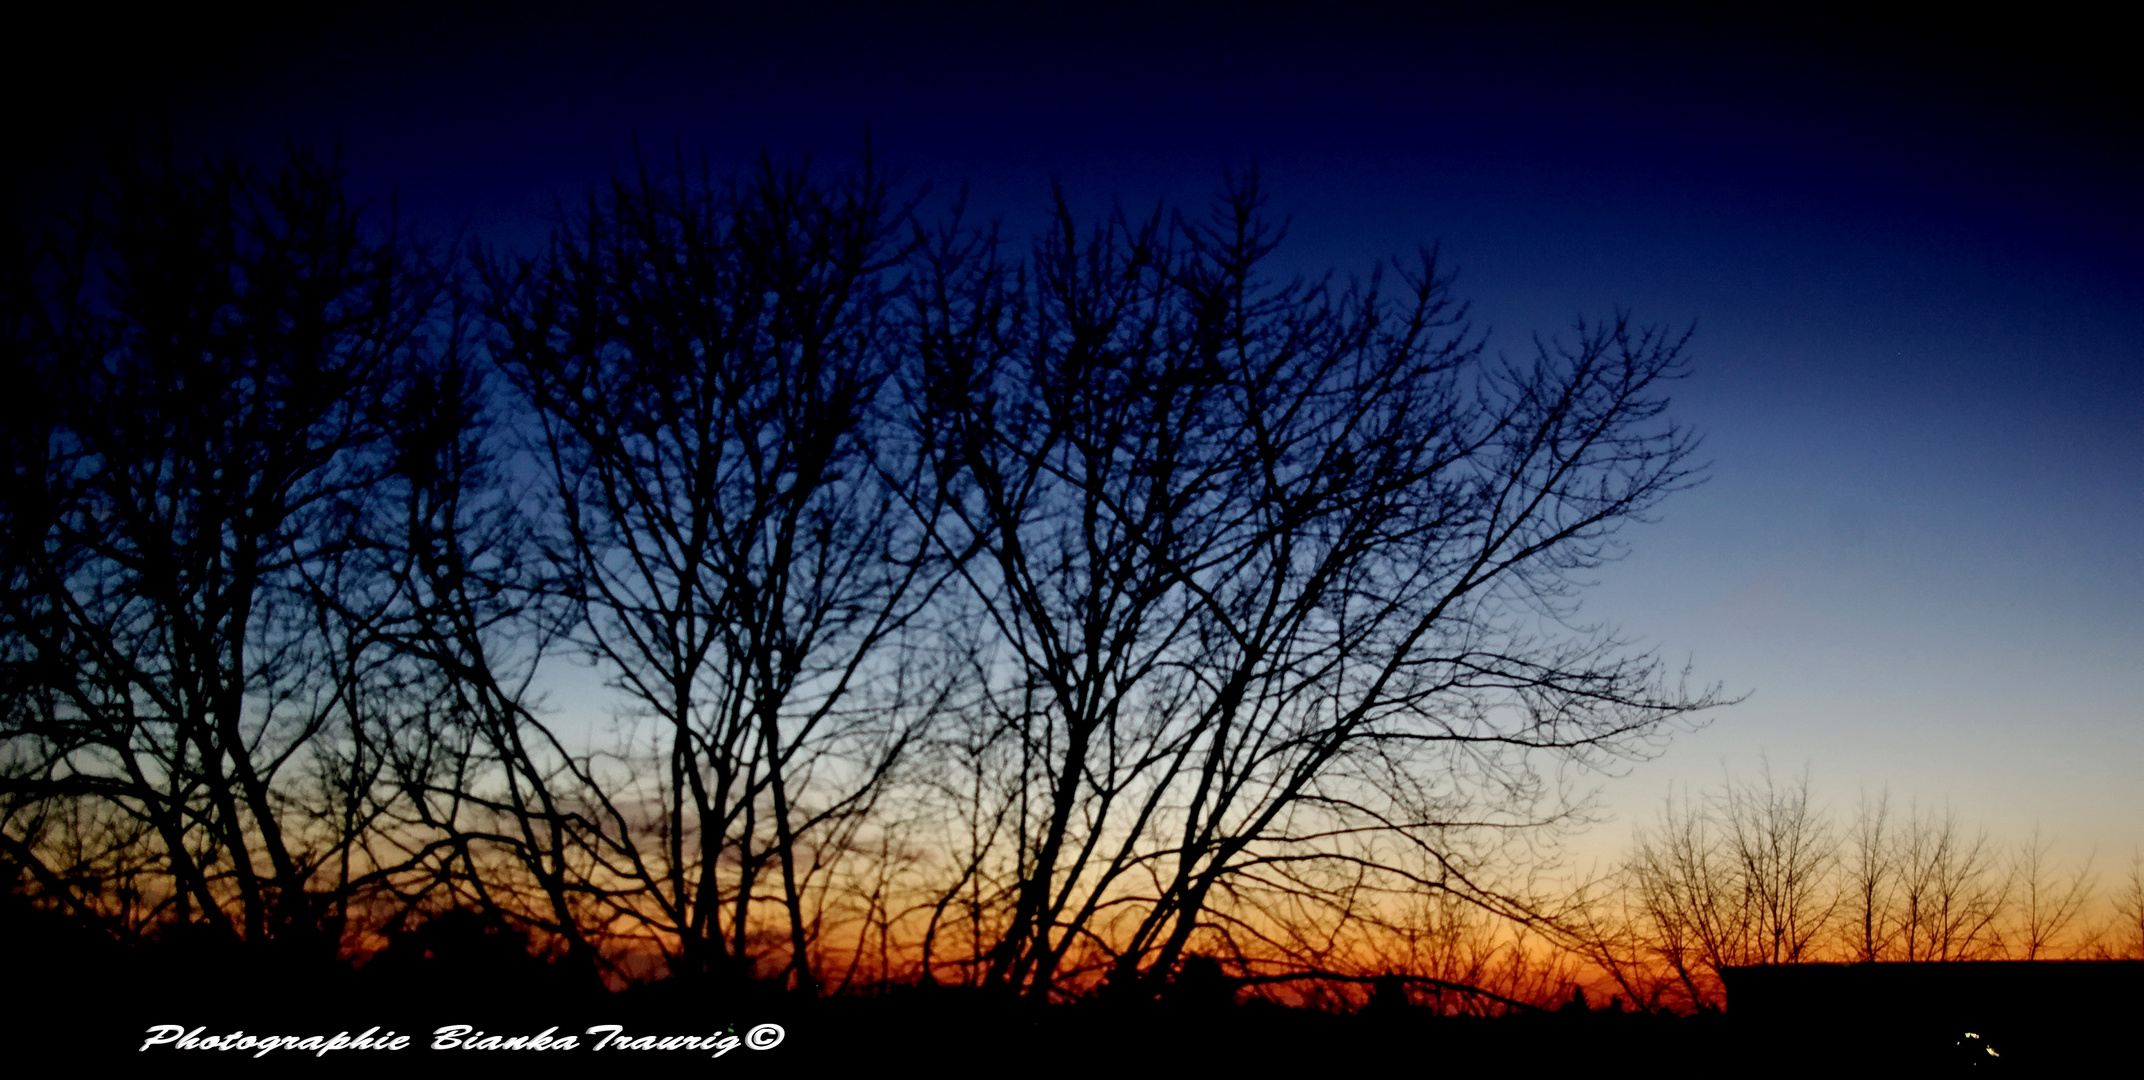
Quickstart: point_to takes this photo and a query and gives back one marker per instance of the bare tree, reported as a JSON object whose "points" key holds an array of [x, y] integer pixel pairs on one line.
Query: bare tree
{"points": [[1872, 878], [1696, 913], [497, 815], [1743, 876], [1785, 850], [209, 352], [1610, 924], [1952, 890], [1754, 875], [1263, 644], [705, 364], [1920, 889], [1276, 577], [2127, 927], [2047, 904]]}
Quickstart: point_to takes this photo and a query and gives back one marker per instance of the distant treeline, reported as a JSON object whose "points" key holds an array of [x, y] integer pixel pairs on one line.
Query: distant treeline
{"points": [[1036, 616], [1753, 873]]}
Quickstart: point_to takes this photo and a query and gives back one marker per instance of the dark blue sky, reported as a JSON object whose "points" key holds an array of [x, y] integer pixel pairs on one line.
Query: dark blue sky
{"points": [[1912, 254]]}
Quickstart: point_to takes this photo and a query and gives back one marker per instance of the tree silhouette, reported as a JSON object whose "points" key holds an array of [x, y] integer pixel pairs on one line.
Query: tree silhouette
{"points": [[705, 364], [1754, 874], [1742, 877], [1271, 577], [455, 593], [201, 370], [1116, 615]]}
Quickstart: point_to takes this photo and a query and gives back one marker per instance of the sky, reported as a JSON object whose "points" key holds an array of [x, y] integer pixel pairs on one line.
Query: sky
{"points": [[1911, 255]]}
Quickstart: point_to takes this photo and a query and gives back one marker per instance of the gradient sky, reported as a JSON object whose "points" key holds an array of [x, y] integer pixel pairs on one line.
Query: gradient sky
{"points": [[1912, 256]]}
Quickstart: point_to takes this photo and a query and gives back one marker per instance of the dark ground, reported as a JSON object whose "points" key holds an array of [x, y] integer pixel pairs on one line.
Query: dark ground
{"points": [[68, 995]]}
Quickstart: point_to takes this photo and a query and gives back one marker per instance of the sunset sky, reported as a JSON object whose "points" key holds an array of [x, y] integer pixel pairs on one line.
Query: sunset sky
{"points": [[1914, 258]]}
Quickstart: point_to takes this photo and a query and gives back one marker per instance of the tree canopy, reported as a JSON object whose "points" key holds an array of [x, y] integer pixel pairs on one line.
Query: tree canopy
{"points": [[1035, 617]]}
